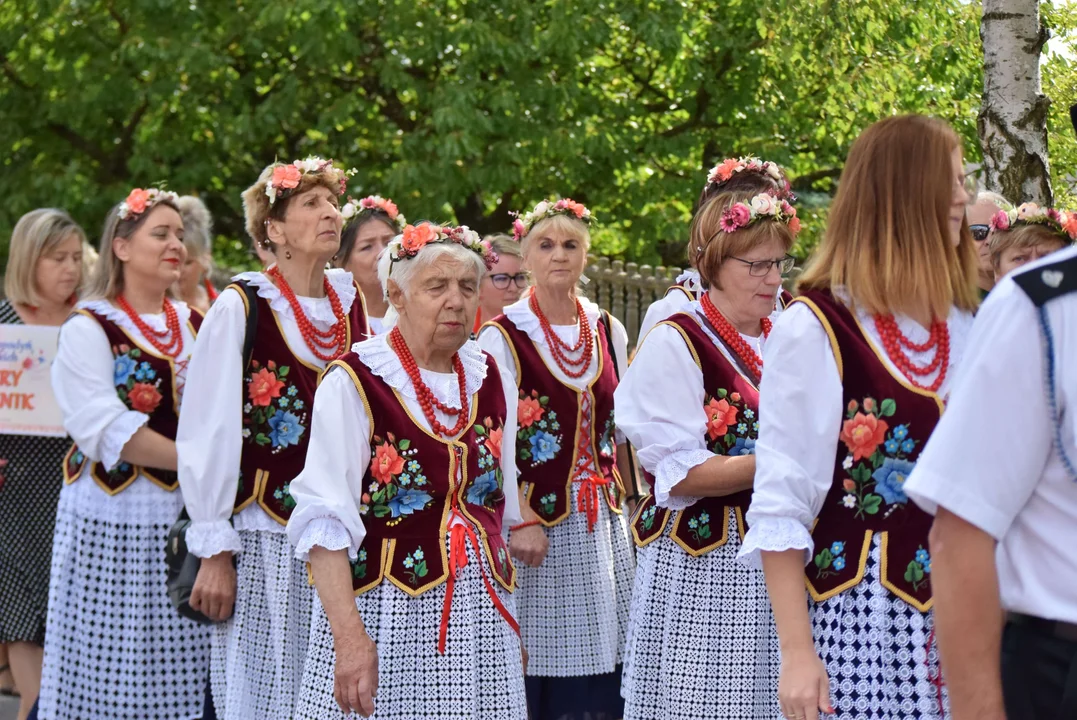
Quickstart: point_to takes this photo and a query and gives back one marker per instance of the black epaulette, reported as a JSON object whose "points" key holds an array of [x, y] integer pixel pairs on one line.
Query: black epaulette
{"points": [[1047, 282]]}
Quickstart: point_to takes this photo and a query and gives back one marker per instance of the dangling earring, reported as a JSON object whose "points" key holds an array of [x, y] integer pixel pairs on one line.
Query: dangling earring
{"points": [[287, 254]]}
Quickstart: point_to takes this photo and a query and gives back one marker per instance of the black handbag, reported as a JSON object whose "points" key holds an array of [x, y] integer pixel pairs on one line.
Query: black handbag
{"points": [[183, 566]]}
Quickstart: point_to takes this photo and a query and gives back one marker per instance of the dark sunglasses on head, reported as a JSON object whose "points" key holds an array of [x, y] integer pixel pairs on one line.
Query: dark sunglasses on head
{"points": [[501, 280], [980, 232]]}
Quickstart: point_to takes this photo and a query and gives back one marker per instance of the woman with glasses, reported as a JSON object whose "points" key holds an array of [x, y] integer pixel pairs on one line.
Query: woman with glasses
{"points": [[979, 215], [701, 640], [857, 370], [505, 282], [576, 579]]}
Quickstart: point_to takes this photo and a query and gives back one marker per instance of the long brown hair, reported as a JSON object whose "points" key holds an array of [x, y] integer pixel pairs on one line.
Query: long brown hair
{"points": [[887, 242]]}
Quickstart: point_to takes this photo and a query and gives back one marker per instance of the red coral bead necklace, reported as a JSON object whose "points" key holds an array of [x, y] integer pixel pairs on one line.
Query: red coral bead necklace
{"points": [[559, 349], [427, 400], [894, 341], [732, 337], [174, 346], [335, 339]]}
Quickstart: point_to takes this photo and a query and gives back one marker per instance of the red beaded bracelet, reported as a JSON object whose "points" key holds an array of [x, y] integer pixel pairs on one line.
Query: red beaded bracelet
{"points": [[523, 525]]}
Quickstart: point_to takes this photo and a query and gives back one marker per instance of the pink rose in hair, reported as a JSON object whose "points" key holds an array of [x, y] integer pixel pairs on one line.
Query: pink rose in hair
{"points": [[137, 200], [794, 225], [286, 176], [1069, 224], [788, 209], [1001, 221], [518, 229], [735, 218]]}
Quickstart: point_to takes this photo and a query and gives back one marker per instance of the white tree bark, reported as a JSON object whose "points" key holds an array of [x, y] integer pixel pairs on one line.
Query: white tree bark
{"points": [[1013, 116]]}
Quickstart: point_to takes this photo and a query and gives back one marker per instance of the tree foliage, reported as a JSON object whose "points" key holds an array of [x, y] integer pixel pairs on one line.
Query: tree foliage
{"points": [[463, 110]]}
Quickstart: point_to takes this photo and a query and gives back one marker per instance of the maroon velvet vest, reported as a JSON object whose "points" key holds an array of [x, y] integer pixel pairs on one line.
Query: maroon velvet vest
{"points": [[885, 424], [416, 480], [563, 433], [145, 381], [278, 392], [732, 406]]}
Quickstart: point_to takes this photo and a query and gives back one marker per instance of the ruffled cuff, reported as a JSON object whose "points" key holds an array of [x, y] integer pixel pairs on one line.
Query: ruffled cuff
{"points": [[206, 539], [774, 534], [117, 434], [671, 470], [326, 532]]}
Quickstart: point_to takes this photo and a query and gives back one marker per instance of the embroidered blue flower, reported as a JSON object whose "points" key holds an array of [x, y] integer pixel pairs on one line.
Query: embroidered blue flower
{"points": [[404, 480], [743, 446], [838, 564], [901, 432], [890, 480], [298, 405], [413, 466], [418, 554], [544, 447], [922, 556], [742, 428], [409, 562], [891, 446], [755, 427], [123, 369], [407, 501], [144, 372], [749, 413], [283, 402], [484, 485], [837, 548], [927, 565], [908, 446], [285, 429], [293, 391], [541, 424]]}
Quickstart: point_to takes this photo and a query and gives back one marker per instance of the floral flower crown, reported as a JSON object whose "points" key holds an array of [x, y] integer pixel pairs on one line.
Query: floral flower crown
{"points": [[140, 200], [566, 206], [415, 237], [1059, 221], [357, 209], [725, 170], [287, 177], [761, 207]]}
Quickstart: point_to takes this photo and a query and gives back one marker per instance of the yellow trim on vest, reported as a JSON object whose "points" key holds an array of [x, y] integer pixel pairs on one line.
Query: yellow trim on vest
{"points": [[512, 348], [687, 293], [722, 539], [358, 388], [684, 335], [640, 508], [829, 331], [884, 537]]}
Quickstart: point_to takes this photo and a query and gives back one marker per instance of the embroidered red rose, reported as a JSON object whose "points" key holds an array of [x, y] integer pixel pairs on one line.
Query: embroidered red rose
{"points": [[263, 387], [529, 411], [387, 463], [493, 442], [862, 434], [144, 397], [286, 176], [720, 415], [735, 397]]}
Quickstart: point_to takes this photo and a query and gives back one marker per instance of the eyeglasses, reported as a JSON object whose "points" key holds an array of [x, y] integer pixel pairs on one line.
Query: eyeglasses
{"points": [[759, 268], [501, 280], [980, 232], [971, 185]]}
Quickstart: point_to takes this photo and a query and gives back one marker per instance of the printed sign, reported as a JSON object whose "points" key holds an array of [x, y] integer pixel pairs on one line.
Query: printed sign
{"points": [[27, 405]]}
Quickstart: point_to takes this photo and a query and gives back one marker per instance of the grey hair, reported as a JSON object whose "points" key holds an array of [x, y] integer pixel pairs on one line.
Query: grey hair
{"points": [[403, 271], [995, 199], [197, 225]]}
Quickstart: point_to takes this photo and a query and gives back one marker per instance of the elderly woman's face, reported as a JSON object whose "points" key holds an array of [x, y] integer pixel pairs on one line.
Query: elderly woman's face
{"points": [[311, 225], [440, 304], [556, 260], [747, 295]]}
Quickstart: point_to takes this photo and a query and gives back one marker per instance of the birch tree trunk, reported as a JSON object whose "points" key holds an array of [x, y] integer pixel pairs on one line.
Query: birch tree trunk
{"points": [[1013, 116]]}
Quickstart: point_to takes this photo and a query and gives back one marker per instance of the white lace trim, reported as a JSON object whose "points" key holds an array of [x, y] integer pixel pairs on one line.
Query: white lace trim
{"points": [[326, 532], [154, 320], [117, 434], [383, 361], [527, 322], [671, 470], [206, 539], [317, 309], [254, 518], [691, 280], [775, 534]]}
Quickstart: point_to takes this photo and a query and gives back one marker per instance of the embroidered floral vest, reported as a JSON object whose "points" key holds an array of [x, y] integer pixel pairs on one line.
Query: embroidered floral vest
{"points": [[885, 425], [562, 432], [732, 406], [145, 382], [278, 391], [414, 481]]}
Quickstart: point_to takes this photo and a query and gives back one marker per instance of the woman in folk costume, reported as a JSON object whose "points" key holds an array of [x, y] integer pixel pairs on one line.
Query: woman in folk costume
{"points": [[701, 641], [747, 174], [369, 225], [412, 446], [858, 368], [244, 431], [565, 356], [114, 647]]}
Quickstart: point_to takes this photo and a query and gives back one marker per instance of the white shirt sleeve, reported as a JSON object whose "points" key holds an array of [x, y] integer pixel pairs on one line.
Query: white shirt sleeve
{"points": [[800, 413], [493, 341], [620, 356], [82, 379], [209, 439], [330, 489], [508, 454], [660, 409], [988, 452]]}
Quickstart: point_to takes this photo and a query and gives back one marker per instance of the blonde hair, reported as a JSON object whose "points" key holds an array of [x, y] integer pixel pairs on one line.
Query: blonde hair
{"points": [[504, 245], [37, 233], [257, 210], [569, 226], [106, 281], [1021, 236], [713, 247], [888, 240]]}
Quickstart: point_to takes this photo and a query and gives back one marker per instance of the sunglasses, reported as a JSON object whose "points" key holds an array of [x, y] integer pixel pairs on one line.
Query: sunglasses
{"points": [[501, 280], [980, 232]]}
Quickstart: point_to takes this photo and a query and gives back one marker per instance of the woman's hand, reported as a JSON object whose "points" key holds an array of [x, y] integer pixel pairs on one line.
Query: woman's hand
{"points": [[355, 681], [214, 591], [803, 686], [529, 545]]}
